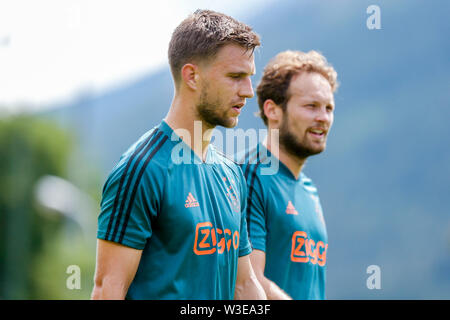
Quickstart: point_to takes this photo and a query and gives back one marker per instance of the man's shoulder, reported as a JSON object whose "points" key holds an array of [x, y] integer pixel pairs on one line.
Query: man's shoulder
{"points": [[150, 152]]}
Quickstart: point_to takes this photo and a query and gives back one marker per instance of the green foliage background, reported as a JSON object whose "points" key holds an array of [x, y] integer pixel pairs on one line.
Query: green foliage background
{"points": [[37, 247]]}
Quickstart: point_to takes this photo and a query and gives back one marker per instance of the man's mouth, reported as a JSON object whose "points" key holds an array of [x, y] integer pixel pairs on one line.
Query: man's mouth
{"points": [[238, 107], [318, 132]]}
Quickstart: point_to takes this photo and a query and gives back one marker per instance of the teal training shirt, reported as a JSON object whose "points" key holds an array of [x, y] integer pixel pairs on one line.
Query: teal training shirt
{"points": [[186, 216], [284, 219]]}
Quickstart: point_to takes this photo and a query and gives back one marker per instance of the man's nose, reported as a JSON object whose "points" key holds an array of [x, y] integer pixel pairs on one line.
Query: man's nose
{"points": [[246, 89], [323, 115]]}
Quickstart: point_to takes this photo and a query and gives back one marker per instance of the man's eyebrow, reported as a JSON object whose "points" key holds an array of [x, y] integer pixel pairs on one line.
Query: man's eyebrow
{"points": [[242, 73]]}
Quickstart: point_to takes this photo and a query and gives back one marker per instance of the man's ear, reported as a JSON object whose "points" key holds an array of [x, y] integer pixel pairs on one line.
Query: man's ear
{"points": [[273, 112], [190, 75]]}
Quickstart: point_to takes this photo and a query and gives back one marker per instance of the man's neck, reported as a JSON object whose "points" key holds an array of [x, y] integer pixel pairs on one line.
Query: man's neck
{"points": [[183, 119], [292, 162]]}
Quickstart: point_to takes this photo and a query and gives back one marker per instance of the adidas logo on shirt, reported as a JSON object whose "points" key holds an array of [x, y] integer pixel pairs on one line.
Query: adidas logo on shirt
{"points": [[290, 208], [191, 202]]}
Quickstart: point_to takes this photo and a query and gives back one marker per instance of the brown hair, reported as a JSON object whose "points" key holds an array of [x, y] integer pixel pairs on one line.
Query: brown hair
{"points": [[279, 71], [202, 34]]}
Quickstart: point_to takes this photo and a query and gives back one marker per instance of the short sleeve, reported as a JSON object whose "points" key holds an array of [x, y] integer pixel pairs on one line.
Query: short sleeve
{"points": [[130, 202], [256, 218], [245, 247]]}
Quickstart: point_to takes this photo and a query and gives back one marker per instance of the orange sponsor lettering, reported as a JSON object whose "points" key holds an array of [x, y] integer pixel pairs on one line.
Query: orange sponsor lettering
{"points": [[228, 231], [201, 227], [203, 244], [221, 242], [236, 237], [310, 250], [322, 256], [298, 240], [214, 239], [305, 250]]}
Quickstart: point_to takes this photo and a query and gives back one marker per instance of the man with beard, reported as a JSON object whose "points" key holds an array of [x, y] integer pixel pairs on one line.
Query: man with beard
{"points": [[284, 215], [171, 224]]}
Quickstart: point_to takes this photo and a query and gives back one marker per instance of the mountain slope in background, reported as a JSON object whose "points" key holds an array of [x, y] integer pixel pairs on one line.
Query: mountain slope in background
{"points": [[384, 179]]}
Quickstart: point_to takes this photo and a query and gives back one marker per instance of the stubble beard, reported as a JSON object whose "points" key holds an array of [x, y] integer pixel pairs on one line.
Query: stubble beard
{"points": [[209, 111], [290, 143]]}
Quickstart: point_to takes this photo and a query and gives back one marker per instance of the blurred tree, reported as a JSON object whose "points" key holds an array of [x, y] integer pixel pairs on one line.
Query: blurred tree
{"points": [[33, 259]]}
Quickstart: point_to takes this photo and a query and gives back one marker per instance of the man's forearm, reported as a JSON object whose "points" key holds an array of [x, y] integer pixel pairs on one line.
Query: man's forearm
{"points": [[272, 291], [108, 291], [250, 289]]}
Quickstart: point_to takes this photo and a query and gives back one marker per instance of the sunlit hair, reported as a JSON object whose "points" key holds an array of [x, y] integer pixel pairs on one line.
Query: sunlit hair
{"points": [[200, 36], [279, 71]]}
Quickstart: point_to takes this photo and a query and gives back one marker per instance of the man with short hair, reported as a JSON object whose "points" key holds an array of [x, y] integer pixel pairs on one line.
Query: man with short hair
{"points": [[171, 224], [284, 215]]}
